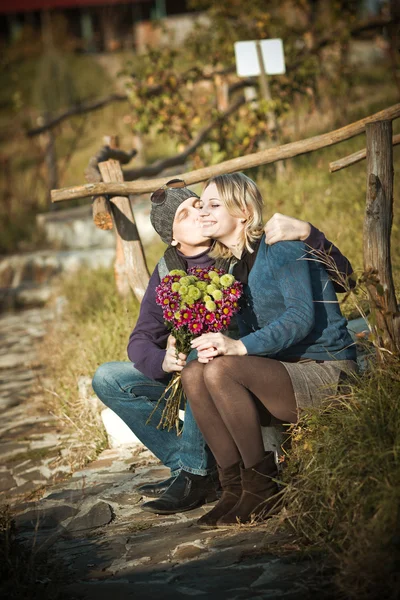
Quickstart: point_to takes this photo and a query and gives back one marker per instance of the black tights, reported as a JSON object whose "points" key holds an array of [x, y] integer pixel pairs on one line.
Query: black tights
{"points": [[222, 397]]}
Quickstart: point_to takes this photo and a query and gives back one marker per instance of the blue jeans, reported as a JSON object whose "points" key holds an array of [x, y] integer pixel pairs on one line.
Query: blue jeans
{"points": [[132, 396]]}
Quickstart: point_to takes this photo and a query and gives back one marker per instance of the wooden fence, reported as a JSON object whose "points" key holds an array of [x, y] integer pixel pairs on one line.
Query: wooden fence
{"points": [[378, 213]]}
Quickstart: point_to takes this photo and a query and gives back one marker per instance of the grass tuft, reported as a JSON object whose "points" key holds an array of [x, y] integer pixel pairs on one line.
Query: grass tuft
{"points": [[343, 484]]}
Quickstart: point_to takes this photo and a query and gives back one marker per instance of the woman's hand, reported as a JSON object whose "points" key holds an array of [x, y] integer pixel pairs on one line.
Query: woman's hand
{"points": [[210, 345], [171, 362]]}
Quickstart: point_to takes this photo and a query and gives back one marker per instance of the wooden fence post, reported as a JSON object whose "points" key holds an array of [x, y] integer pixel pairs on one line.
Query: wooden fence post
{"points": [[377, 231], [126, 231]]}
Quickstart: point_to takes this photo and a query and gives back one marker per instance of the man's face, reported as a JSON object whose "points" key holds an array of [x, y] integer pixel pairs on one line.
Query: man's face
{"points": [[186, 228]]}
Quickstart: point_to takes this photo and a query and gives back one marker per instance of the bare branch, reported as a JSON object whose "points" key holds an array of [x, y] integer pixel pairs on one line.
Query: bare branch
{"points": [[179, 159], [85, 107], [80, 109]]}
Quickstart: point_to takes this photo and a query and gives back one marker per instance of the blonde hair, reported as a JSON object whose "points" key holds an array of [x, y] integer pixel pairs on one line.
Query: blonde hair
{"points": [[240, 195]]}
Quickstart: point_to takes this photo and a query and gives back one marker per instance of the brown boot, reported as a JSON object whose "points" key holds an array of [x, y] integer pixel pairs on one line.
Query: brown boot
{"points": [[231, 490], [259, 493]]}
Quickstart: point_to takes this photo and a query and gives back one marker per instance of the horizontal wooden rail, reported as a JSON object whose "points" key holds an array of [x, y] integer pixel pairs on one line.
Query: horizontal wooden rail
{"points": [[229, 166], [356, 157]]}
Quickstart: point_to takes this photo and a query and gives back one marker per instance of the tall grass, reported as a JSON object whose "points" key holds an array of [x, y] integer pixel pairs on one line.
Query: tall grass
{"points": [[343, 484]]}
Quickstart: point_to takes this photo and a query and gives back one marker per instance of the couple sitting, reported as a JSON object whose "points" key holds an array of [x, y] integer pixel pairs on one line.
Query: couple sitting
{"points": [[294, 349]]}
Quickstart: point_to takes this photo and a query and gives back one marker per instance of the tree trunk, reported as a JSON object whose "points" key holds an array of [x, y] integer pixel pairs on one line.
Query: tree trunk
{"points": [[377, 231]]}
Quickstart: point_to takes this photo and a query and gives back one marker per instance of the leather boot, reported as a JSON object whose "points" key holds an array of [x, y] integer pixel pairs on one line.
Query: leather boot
{"points": [[231, 490], [259, 493], [155, 490], [187, 491]]}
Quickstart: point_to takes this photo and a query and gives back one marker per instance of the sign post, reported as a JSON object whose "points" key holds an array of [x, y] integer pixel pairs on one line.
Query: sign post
{"points": [[263, 58]]}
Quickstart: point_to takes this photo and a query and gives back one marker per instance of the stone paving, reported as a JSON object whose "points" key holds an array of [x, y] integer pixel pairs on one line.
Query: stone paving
{"points": [[33, 449], [108, 545], [91, 522]]}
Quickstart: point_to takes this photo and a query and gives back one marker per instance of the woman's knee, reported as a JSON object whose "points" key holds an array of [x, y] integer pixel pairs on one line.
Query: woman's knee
{"points": [[218, 370], [192, 375]]}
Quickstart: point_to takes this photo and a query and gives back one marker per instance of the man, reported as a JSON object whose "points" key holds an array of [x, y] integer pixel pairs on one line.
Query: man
{"points": [[131, 391]]}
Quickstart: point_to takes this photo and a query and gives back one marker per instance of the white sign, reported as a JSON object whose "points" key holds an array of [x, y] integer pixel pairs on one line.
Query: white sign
{"points": [[247, 64]]}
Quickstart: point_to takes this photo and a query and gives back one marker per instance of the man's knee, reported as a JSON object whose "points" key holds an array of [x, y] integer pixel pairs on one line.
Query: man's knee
{"points": [[104, 379]]}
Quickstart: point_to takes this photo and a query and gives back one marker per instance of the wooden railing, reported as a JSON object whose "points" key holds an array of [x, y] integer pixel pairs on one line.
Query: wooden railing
{"points": [[378, 215]]}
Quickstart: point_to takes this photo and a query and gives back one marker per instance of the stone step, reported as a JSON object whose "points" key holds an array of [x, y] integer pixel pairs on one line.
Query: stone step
{"points": [[25, 279]]}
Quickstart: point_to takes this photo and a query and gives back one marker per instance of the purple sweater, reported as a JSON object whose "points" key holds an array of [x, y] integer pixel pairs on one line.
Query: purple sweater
{"points": [[148, 340]]}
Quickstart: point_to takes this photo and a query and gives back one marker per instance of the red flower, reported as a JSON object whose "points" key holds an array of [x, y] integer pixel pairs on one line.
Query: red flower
{"points": [[195, 327], [186, 315]]}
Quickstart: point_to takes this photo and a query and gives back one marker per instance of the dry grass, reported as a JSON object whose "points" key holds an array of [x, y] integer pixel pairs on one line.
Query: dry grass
{"points": [[94, 329], [343, 484]]}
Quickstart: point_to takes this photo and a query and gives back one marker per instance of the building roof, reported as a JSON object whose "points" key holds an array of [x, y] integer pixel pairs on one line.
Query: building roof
{"points": [[19, 6]]}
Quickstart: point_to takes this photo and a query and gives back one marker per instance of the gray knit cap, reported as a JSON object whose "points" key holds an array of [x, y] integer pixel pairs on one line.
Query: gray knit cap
{"points": [[162, 213]]}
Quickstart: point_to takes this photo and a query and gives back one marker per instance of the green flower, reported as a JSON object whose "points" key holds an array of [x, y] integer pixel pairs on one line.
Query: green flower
{"points": [[227, 280], [183, 290], [212, 274], [211, 287], [216, 280], [207, 298], [177, 272], [175, 287], [201, 285], [211, 306], [194, 292], [185, 281], [217, 294]]}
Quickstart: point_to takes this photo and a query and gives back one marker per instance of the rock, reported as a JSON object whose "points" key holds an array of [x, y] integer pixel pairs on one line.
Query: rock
{"points": [[6, 482], [98, 515], [47, 518], [8, 450], [189, 550], [34, 475], [74, 228], [76, 495], [25, 279], [35, 295]]}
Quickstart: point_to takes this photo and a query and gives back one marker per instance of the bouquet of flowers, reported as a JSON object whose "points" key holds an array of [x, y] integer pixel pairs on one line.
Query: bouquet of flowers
{"points": [[199, 301]]}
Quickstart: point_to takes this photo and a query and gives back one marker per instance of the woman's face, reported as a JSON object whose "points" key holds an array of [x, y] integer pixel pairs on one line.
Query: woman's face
{"points": [[215, 220]]}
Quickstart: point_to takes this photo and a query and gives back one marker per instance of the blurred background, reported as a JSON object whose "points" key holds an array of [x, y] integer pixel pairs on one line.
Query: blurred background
{"points": [[160, 75]]}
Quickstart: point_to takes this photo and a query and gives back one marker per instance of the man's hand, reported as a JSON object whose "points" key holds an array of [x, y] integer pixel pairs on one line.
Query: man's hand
{"points": [[210, 345], [171, 362], [281, 228]]}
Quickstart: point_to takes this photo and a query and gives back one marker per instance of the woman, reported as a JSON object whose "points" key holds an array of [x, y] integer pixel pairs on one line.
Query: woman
{"points": [[293, 350]]}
